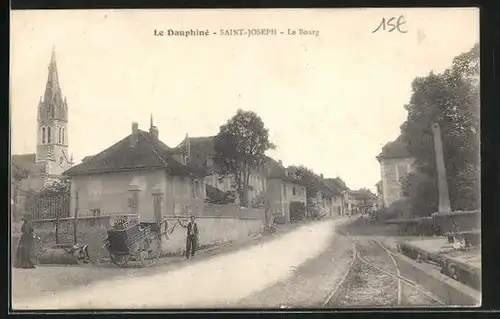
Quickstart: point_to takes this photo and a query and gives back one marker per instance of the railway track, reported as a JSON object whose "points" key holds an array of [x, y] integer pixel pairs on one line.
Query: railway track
{"points": [[374, 279]]}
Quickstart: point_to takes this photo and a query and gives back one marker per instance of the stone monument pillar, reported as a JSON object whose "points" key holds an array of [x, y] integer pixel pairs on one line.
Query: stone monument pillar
{"points": [[443, 194]]}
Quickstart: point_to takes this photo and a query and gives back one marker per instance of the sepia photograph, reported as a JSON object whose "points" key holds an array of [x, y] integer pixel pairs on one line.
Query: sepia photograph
{"points": [[244, 159]]}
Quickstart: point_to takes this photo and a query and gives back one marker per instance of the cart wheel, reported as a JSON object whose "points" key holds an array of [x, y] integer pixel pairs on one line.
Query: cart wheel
{"points": [[119, 260], [80, 256], [150, 251]]}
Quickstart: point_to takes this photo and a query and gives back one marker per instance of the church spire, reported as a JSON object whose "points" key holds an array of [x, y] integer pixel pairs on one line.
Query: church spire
{"points": [[53, 57], [52, 89]]}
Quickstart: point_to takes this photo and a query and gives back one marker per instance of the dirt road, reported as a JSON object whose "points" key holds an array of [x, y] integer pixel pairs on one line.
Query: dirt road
{"points": [[213, 282]]}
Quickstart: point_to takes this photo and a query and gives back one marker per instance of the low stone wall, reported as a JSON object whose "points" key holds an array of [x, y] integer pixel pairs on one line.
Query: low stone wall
{"points": [[91, 231], [231, 210], [465, 220], [212, 231]]}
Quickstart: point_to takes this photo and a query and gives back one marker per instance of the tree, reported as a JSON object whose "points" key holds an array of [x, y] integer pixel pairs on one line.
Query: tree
{"points": [[240, 146], [450, 99], [55, 187]]}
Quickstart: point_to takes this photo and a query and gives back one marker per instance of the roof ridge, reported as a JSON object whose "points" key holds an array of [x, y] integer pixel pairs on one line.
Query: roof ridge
{"points": [[154, 150]]}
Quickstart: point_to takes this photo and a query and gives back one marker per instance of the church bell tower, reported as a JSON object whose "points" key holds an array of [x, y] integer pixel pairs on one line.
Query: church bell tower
{"points": [[52, 128]]}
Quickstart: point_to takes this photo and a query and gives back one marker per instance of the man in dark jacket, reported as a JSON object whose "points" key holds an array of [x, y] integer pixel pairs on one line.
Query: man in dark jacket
{"points": [[191, 237]]}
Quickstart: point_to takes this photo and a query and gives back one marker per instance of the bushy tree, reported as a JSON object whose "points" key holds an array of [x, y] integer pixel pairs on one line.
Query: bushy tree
{"points": [[59, 186], [240, 146], [450, 99]]}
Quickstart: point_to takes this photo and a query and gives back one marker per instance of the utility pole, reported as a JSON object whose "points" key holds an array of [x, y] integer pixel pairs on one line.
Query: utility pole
{"points": [[75, 221]]}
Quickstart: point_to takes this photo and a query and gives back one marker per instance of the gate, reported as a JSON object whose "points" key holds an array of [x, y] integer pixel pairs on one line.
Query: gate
{"points": [[48, 206]]}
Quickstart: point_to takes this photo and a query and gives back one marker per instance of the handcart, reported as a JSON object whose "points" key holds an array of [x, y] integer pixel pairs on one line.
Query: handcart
{"points": [[132, 241]]}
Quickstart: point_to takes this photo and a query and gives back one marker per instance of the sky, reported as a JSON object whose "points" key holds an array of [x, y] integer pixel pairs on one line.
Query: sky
{"points": [[330, 102]]}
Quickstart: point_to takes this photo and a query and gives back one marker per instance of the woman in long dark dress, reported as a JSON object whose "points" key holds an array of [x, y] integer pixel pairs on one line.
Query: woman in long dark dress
{"points": [[25, 246]]}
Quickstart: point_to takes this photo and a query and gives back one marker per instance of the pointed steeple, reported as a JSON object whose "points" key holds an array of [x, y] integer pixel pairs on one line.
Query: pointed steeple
{"points": [[52, 90], [53, 57]]}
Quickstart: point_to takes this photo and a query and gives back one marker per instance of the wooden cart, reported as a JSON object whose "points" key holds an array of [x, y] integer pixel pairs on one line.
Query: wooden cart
{"points": [[134, 242]]}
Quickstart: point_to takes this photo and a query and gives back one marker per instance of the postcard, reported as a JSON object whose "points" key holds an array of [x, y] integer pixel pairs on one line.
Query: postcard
{"points": [[245, 159]]}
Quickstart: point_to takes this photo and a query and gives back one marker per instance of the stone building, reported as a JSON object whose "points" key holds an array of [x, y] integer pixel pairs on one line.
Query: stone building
{"points": [[395, 164], [282, 189], [200, 152], [337, 187], [137, 175]]}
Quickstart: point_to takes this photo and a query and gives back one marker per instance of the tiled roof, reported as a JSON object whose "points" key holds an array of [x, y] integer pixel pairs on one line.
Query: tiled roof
{"points": [[26, 162], [332, 185], [326, 188], [201, 149], [86, 158], [362, 194], [394, 149], [277, 171], [149, 152], [341, 185]]}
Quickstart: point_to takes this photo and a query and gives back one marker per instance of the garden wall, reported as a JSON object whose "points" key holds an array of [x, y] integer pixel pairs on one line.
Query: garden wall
{"points": [[218, 224]]}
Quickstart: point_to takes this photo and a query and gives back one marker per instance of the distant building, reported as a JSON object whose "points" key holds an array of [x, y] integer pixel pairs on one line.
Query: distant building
{"points": [[344, 201], [282, 190], [395, 164], [337, 188], [327, 196], [33, 171], [137, 175], [363, 199]]}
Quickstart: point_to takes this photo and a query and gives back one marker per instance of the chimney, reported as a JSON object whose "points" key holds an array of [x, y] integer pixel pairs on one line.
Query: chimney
{"points": [[321, 176], [135, 134], [280, 162], [154, 131]]}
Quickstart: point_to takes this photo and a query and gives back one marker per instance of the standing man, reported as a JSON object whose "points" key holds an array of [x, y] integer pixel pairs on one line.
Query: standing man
{"points": [[191, 237]]}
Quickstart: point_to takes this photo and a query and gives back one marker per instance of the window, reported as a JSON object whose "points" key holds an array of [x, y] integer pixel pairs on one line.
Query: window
{"points": [[293, 191], [63, 136], [196, 189], [133, 202], [284, 191], [44, 137], [401, 171], [59, 136], [49, 134]]}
